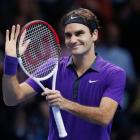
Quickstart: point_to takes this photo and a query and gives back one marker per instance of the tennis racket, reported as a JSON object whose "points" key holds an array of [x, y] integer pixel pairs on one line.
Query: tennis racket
{"points": [[40, 59]]}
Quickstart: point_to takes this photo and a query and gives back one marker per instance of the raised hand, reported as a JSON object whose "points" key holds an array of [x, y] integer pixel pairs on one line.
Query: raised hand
{"points": [[11, 41]]}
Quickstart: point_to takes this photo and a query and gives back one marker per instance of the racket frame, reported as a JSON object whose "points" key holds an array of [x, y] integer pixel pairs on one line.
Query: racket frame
{"points": [[56, 111]]}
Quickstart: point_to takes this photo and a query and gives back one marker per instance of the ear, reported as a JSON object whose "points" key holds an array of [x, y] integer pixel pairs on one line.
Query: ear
{"points": [[95, 35]]}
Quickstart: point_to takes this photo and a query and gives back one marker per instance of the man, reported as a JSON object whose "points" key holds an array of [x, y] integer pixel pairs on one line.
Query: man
{"points": [[89, 89]]}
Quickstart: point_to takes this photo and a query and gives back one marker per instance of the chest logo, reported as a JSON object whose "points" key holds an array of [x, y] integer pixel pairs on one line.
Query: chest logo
{"points": [[92, 81]]}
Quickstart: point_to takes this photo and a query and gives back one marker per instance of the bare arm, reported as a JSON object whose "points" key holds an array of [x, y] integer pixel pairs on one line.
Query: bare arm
{"points": [[100, 115], [13, 92]]}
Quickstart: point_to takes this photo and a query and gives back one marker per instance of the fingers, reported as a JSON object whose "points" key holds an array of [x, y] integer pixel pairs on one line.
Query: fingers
{"points": [[54, 100], [11, 40], [26, 44], [22, 43], [14, 32], [53, 97], [22, 38], [17, 31], [49, 92], [23, 48], [55, 103], [7, 35]]}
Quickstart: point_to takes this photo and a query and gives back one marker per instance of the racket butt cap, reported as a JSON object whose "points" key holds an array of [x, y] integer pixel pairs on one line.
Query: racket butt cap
{"points": [[63, 135]]}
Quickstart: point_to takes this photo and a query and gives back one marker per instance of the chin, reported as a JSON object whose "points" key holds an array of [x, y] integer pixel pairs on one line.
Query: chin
{"points": [[79, 53], [76, 53]]}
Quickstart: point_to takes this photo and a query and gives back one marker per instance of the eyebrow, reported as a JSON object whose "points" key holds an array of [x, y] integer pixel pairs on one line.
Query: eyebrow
{"points": [[80, 32], [76, 32]]}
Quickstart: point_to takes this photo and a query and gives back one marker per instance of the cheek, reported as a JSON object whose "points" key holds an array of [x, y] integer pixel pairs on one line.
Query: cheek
{"points": [[66, 41], [88, 43], [67, 44]]}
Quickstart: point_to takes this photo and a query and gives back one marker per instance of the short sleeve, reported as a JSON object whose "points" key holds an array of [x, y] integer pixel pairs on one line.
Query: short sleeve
{"points": [[34, 85], [116, 86]]}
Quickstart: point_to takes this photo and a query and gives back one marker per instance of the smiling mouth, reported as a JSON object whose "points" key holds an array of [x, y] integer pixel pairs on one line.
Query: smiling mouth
{"points": [[75, 46]]}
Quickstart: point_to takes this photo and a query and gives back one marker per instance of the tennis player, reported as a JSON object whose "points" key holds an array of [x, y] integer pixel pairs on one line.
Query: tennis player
{"points": [[89, 89]]}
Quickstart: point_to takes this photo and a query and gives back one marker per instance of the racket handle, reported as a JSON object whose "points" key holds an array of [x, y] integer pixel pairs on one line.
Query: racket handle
{"points": [[59, 122], [57, 116]]}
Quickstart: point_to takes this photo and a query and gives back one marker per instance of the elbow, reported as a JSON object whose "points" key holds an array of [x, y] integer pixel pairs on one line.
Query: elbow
{"points": [[105, 121], [9, 102], [104, 118]]}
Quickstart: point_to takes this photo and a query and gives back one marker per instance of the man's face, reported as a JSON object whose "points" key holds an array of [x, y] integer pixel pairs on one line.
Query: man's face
{"points": [[79, 39]]}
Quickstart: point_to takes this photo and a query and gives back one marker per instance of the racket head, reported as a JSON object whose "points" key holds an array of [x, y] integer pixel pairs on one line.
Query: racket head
{"points": [[40, 58]]}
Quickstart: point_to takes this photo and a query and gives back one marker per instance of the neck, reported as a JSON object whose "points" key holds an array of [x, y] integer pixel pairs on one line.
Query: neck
{"points": [[83, 63]]}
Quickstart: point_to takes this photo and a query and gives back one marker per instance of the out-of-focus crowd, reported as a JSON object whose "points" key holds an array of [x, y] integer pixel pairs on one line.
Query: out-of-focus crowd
{"points": [[118, 42]]}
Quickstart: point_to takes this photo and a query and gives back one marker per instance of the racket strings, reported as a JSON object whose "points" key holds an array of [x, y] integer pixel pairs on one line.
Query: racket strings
{"points": [[41, 56]]}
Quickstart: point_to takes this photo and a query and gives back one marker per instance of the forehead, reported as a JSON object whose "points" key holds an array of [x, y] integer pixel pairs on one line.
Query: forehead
{"points": [[72, 27]]}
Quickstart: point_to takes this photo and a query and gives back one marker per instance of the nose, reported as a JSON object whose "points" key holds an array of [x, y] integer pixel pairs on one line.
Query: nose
{"points": [[73, 39]]}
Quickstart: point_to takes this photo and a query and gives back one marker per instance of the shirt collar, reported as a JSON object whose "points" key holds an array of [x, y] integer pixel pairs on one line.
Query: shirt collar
{"points": [[96, 65]]}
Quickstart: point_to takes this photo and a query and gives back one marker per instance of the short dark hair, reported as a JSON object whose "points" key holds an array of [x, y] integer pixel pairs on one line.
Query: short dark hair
{"points": [[83, 16]]}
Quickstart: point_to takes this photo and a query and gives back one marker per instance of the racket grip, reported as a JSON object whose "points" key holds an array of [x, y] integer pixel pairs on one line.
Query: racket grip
{"points": [[59, 122]]}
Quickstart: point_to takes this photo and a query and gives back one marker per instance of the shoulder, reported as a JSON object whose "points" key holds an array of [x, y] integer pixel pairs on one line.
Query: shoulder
{"points": [[113, 76], [63, 61], [110, 68], [107, 65]]}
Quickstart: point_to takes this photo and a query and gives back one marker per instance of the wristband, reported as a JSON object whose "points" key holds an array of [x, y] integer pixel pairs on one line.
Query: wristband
{"points": [[10, 65]]}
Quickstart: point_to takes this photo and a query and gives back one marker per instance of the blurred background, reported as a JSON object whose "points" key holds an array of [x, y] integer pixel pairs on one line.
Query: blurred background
{"points": [[119, 43]]}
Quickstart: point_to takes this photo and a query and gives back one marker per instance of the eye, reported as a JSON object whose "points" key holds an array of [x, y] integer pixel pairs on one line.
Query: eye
{"points": [[79, 33], [67, 35]]}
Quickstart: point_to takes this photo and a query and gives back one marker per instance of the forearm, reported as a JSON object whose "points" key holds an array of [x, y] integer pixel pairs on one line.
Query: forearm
{"points": [[11, 89], [13, 92], [103, 114], [97, 115], [91, 114]]}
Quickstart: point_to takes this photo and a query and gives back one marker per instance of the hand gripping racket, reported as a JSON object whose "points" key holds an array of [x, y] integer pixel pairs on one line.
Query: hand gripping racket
{"points": [[40, 59]]}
